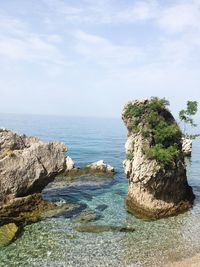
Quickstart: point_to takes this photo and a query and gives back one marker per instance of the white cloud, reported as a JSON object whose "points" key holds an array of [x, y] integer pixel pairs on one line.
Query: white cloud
{"points": [[101, 12], [103, 52], [17, 42], [180, 17], [139, 11]]}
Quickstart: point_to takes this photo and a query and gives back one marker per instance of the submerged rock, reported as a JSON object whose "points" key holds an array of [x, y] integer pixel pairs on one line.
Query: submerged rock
{"points": [[101, 207], [154, 162], [7, 234], [101, 166], [187, 146], [27, 165], [87, 216], [89, 228], [72, 211]]}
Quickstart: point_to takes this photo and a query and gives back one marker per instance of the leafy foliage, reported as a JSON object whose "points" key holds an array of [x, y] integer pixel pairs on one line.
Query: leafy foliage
{"points": [[185, 115], [153, 120], [161, 154]]}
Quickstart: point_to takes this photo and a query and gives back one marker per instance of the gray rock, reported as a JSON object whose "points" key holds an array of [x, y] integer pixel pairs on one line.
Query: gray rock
{"points": [[27, 164], [155, 189], [101, 166]]}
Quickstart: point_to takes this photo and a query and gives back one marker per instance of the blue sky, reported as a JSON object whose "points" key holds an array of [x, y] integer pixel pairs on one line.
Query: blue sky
{"points": [[88, 58]]}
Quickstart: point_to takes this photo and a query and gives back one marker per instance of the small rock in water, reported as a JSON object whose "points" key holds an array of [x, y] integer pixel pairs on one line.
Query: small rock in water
{"points": [[101, 207], [101, 166], [88, 228], [7, 233], [73, 211], [87, 216]]}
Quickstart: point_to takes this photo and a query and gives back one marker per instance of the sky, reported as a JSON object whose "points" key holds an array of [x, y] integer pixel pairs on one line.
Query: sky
{"points": [[89, 57]]}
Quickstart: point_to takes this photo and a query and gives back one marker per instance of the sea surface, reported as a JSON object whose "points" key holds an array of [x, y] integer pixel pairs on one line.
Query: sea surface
{"points": [[56, 241]]}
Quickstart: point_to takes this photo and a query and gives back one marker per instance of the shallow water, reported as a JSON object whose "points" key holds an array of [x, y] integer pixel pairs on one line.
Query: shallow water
{"points": [[56, 242]]}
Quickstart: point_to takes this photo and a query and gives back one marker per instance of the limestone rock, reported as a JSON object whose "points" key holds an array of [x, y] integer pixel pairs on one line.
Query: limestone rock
{"points": [[157, 187], [101, 166], [187, 146], [7, 233], [70, 165], [27, 165]]}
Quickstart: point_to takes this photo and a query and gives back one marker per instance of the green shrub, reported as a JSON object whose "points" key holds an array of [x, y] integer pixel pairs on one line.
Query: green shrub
{"points": [[134, 110], [162, 154], [153, 120]]}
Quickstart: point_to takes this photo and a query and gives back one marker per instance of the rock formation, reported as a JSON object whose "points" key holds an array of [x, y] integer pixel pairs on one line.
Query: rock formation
{"points": [[101, 166], [154, 162], [27, 165], [187, 146]]}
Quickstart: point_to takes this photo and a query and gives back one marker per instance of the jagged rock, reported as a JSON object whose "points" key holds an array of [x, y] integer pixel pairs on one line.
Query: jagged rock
{"points": [[7, 234], [101, 166], [27, 165], [70, 165], [158, 184], [187, 146]]}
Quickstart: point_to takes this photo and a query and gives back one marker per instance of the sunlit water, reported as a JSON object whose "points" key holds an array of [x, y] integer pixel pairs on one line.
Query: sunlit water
{"points": [[55, 241]]}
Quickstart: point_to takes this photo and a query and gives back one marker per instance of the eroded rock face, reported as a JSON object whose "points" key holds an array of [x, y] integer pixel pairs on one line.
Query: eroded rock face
{"points": [[157, 187], [187, 146], [27, 165]]}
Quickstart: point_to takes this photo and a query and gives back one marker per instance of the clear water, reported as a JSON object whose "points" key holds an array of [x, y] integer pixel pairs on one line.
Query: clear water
{"points": [[55, 241]]}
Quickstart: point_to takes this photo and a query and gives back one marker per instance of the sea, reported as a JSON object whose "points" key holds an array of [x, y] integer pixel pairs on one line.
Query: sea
{"points": [[55, 241]]}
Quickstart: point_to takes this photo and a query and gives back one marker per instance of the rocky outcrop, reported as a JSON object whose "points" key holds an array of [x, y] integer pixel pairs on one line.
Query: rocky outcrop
{"points": [[101, 166], [187, 146], [27, 165], [154, 162]]}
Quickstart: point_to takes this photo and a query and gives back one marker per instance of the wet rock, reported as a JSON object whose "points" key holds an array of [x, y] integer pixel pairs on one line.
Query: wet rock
{"points": [[87, 216], [74, 210], [27, 165], [28, 209], [88, 228], [101, 207], [7, 234]]}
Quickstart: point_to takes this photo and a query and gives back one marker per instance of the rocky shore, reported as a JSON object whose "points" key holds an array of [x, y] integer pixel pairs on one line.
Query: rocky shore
{"points": [[154, 162], [27, 166]]}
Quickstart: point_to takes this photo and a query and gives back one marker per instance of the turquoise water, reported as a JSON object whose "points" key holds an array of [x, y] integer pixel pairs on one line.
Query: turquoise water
{"points": [[56, 242]]}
